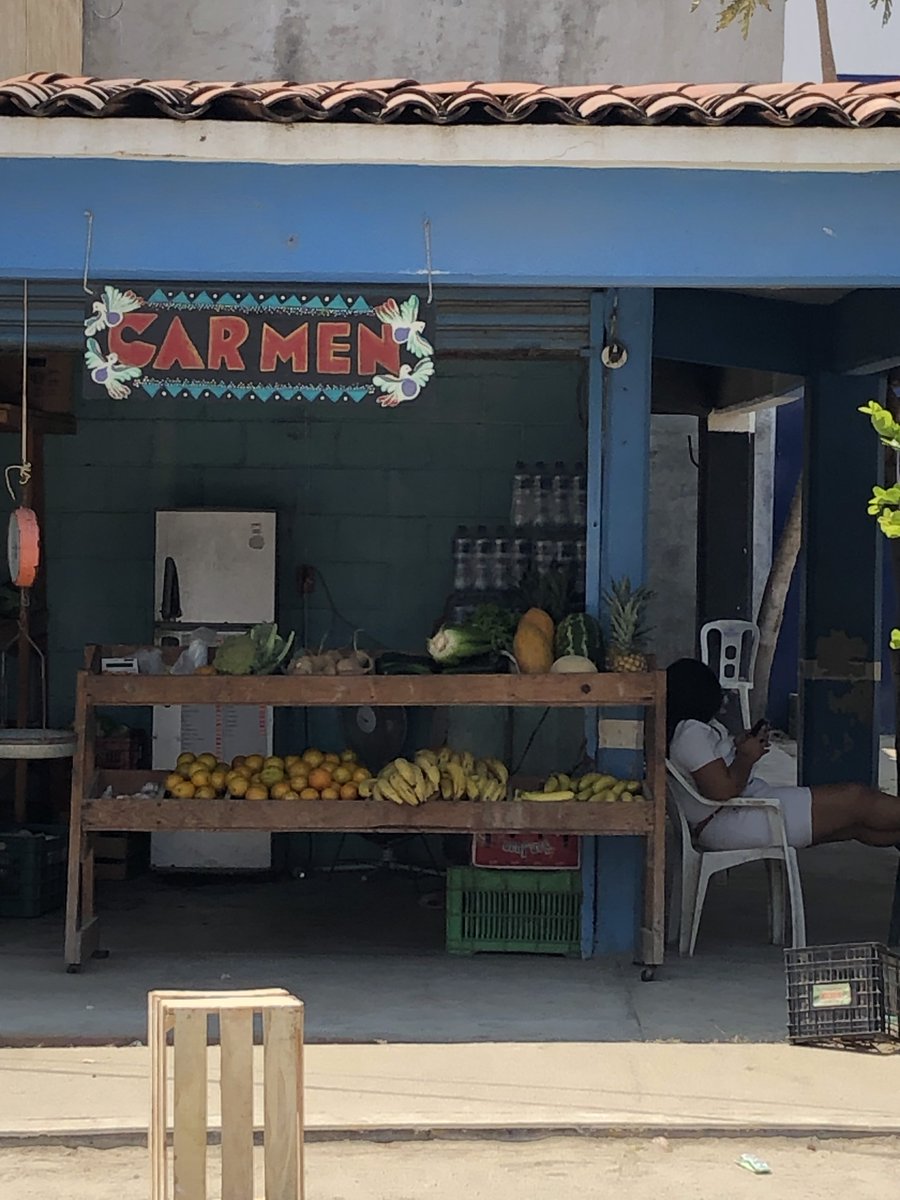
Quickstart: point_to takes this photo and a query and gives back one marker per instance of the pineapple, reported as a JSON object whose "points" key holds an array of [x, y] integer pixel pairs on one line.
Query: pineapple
{"points": [[627, 628]]}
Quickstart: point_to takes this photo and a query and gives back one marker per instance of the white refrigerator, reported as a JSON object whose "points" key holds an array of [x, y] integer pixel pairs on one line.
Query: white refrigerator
{"points": [[214, 570]]}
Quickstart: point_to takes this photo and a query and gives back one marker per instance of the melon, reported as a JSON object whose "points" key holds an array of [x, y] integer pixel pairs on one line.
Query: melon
{"points": [[573, 664], [579, 634]]}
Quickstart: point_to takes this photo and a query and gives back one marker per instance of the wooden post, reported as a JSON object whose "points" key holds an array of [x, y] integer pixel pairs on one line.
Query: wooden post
{"points": [[40, 35], [187, 1014]]}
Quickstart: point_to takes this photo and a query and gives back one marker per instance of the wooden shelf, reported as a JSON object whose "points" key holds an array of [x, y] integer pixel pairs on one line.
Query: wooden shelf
{"points": [[139, 814], [306, 691], [92, 812]]}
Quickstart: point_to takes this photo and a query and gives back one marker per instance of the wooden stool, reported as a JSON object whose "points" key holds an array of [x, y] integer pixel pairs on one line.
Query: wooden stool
{"points": [[187, 1013]]}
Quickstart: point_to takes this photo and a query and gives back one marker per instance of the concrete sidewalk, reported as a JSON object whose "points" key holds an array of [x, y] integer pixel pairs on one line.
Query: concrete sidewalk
{"points": [[409, 1090]]}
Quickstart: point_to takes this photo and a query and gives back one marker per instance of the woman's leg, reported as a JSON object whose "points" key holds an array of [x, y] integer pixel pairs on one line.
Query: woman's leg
{"points": [[843, 811]]}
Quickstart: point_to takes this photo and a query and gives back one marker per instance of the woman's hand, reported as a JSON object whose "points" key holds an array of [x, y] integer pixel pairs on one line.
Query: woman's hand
{"points": [[751, 747]]}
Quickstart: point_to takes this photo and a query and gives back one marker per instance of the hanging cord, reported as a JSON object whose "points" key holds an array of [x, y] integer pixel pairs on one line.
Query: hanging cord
{"points": [[23, 467], [88, 246], [426, 229]]}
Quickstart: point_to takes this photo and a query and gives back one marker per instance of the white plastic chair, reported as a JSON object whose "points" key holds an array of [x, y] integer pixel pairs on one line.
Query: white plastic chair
{"points": [[738, 643], [698, 866]]}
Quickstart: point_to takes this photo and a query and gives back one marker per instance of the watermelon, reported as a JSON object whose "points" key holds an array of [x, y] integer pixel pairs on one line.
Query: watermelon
{"points": [[579, 633]]}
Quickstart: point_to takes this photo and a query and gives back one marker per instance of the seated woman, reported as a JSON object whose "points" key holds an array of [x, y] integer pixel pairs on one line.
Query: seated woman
{"points": [[723, 767]]}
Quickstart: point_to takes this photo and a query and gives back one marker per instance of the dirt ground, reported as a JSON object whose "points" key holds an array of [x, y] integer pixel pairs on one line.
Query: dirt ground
{"points": [[658, 1169]]}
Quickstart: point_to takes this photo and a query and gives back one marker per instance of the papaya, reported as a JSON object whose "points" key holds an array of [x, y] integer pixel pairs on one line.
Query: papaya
{"points": [[533, 648], [543, 621]]}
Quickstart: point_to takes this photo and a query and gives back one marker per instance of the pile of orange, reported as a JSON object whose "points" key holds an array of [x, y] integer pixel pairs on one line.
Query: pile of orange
{"points": [[308, 776]]}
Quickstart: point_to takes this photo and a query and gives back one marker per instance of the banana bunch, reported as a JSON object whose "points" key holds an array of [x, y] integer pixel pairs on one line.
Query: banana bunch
{"points": [[443, 774], [596, 786]]}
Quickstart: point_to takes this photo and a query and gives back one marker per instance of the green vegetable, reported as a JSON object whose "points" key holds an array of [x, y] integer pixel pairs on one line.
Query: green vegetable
{"points": [[494, 624], [453, 643], [236, 655], [259, 652]]}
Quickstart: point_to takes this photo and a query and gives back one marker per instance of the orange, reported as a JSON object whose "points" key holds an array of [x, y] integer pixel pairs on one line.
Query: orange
{"points": [[218, 779], [205, 793], [254, 762], [223, 766], [209, 669], [361, 773], [238, 760], [313, 758], [173, 781], [341, 774], [330, 793], [186, 770], [349, 792], [274, 760], [184, 757], [309, 794], [291, 795], [319, 778], [349, 756], [208, 760], [201, 778], [243, 771], [238, 786], [184, 791], [256, 779], [257, 792], [332, 758], [279, 790], [291, 760]]}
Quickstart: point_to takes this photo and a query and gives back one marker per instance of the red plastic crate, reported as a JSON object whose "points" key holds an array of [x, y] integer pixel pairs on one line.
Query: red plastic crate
{"points": [[527, 851]]}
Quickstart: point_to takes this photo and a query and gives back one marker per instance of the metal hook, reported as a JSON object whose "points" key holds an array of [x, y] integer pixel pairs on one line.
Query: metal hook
{"points": [[87, 251], [107, 16], [614, 354]]}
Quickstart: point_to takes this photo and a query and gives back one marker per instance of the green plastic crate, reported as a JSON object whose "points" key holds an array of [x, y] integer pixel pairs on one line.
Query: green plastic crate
{"points": [[32, 870], [526, 912]]}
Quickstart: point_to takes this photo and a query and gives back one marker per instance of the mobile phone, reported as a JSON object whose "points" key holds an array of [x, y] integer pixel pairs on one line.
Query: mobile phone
{"points": [[760, 725]]}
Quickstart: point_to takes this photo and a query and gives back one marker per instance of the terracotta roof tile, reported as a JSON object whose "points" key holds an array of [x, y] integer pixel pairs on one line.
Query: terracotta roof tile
{"points": [[456, 102]]}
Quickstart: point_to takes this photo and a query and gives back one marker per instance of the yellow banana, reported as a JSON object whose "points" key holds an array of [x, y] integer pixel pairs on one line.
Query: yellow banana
{"points": [[473, 787], [499, 769], [366, 788], [443, 756], [565, 783], [428, 756], [403, 789], [467, 762], [566, 794], [447, 788], [429, 768], [423, 786], [384, 791], [552, 784], [459, 779], [405, 768]]}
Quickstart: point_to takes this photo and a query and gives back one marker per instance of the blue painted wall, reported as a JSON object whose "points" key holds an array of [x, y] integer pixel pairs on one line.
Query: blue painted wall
{"points": [[788, 463], [527, 225]]}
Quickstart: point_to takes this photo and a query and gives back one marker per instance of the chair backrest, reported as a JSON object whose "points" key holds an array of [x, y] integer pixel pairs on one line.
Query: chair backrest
{"points": [[729, 648], [678, 789]]}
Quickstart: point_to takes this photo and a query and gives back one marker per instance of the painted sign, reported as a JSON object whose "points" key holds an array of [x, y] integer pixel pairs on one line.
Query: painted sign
{"points": [[553, 850], [197, 343]]}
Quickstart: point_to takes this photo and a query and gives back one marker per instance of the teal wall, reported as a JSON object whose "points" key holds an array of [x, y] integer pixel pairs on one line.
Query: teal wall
{"points": [[370, 497]]}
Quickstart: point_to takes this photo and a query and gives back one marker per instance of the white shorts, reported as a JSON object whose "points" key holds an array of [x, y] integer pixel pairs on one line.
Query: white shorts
{"points": [[748, 828]]}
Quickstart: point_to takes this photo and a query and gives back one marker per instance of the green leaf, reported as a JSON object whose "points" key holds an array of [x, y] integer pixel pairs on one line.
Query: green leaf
{"points": [[895, 639]]}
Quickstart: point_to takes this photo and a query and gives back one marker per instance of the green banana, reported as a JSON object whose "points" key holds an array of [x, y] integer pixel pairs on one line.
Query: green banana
{"points": [[552, 784]]}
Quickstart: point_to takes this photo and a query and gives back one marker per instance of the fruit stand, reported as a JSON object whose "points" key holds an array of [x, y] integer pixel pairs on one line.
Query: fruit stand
{"points": [[105, 801]]}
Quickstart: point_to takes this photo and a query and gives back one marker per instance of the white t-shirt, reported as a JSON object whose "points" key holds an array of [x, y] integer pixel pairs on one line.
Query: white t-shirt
{"points": [[694, 745]]}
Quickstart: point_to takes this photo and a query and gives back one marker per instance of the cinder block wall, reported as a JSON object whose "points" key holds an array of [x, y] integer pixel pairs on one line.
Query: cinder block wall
{"points": [[370, 497]]}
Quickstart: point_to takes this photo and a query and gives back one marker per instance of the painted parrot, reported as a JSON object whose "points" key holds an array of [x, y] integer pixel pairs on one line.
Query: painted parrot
{"points": [[406, 385], [406, 327], [108, 371], [109, 311]]}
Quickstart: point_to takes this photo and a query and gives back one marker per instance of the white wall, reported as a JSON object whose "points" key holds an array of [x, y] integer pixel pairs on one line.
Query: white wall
{"points": [[861, 45], [552, 41]]}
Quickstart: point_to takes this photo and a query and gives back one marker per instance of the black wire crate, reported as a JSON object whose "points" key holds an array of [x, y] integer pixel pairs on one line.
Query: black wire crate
{"points": [[843, 995]]}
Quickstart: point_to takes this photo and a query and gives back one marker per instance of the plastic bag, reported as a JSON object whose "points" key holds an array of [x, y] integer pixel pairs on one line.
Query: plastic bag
{"points": [[194, 655]]}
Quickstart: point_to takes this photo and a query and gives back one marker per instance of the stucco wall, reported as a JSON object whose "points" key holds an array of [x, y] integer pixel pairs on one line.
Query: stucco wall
{"points": [[559, 41]]}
